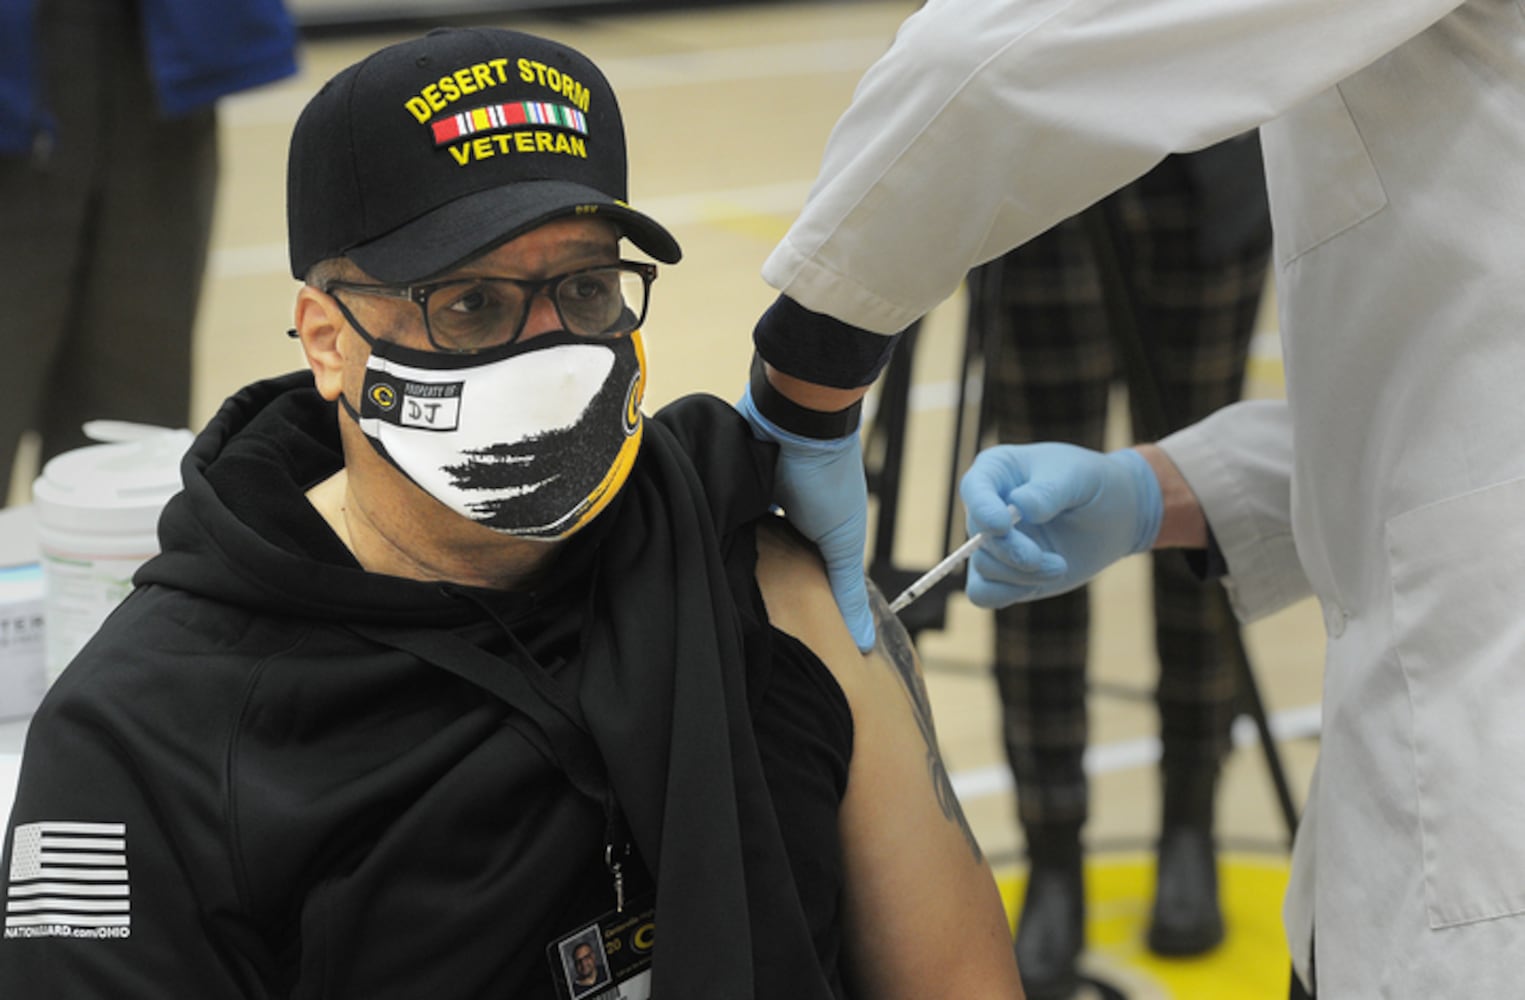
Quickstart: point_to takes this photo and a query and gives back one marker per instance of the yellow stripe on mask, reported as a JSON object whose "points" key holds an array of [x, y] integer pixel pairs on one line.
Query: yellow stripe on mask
{"points": [[619, 470]]}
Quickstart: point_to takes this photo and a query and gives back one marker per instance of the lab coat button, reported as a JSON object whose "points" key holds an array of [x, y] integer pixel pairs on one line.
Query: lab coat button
{"points": [[1335, 618]]}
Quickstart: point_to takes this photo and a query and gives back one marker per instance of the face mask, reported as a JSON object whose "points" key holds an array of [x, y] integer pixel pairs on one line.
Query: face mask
{"points": [[533, 439]]}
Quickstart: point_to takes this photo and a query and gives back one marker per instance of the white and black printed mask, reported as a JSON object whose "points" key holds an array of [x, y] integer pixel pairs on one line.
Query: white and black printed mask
{"points": [[532, 440]]}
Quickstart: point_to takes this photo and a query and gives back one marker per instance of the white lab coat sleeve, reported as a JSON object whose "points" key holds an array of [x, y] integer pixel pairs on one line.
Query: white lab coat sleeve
{"points": [[1238, 462], [988, 121]]}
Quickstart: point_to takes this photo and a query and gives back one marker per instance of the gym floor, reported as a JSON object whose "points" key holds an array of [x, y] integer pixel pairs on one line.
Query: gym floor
{"points": [[727, 109]]}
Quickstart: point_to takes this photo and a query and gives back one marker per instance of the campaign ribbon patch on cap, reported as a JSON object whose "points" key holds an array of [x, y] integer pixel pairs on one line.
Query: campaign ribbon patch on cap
{"points": [[498, 117]]}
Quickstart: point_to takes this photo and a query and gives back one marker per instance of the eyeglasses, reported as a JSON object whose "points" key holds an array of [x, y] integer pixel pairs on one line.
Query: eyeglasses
{"points": [[468, 315]]}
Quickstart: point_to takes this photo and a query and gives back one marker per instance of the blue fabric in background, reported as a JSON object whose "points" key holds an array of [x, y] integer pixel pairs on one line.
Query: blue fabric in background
{"points": [[18, 113], [198, 52]]}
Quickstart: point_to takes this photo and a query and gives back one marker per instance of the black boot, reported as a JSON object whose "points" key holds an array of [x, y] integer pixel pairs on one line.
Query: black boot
{"points": [[1187, 918], [1051, 927]]}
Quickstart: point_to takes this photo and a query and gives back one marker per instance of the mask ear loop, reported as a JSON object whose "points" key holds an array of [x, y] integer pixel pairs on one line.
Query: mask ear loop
{"points": [[354, 323], [375, 441]]}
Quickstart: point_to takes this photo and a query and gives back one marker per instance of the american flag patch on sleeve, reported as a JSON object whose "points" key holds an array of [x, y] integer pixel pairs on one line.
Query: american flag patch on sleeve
{"points": [[68, 880]]}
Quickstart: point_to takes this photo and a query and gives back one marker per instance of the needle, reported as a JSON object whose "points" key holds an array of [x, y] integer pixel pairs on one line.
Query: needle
{"points": [[951, 562]]}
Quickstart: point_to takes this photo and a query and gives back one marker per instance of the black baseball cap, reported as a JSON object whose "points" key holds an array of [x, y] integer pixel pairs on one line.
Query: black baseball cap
{"points": [[432, 151]]}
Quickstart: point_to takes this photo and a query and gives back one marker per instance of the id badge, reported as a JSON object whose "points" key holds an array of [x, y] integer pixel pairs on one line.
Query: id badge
{"points": [[609, 959]]}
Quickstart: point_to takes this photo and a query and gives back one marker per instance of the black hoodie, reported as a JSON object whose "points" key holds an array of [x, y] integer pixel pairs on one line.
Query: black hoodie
{"points": [[273, 774]]}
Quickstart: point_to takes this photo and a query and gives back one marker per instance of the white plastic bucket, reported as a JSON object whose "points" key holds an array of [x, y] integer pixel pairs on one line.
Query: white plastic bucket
{"points": [[97, 518]]}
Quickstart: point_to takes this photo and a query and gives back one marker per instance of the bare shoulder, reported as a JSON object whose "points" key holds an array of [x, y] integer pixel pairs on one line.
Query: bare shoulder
{"points": [[798, 597]]}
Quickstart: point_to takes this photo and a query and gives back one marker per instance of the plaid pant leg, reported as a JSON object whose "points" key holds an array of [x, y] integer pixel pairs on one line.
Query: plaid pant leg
{"points": [[1197, 318], [1048, 380]]}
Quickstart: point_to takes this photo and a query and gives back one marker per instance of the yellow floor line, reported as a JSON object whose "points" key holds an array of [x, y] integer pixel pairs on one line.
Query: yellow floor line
{"points": [[1251, 964]]}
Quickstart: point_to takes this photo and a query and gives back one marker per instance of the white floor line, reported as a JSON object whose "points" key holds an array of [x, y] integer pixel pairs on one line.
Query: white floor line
{"points": [[280, 103], [1292, 724]]}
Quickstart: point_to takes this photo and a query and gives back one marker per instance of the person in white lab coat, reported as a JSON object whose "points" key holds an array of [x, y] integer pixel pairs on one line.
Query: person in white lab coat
{"points": [[1390, 483]]}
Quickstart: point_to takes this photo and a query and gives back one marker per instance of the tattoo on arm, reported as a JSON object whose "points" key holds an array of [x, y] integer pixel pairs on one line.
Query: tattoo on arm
{"points": [[894, 643]]}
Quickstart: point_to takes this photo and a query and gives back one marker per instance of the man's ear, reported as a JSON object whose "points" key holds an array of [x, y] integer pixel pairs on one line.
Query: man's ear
{"points": [[319, 322]]}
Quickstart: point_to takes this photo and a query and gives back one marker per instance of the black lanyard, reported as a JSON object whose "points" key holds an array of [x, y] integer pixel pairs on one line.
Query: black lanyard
{"points": [[519, 681]]}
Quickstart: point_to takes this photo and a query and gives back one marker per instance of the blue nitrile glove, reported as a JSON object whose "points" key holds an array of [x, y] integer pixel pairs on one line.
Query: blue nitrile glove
{"points": [[1080, 512], [822, 488]]}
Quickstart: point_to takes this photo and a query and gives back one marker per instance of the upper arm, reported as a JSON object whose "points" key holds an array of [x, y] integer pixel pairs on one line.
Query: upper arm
{"points": [[923, 916]]}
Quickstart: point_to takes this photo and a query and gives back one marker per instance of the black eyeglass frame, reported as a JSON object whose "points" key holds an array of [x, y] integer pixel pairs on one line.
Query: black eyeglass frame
{"points": [[419, 296]]}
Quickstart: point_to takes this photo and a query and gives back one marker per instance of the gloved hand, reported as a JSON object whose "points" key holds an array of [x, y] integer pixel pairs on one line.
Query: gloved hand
{"points": [[822, 488], [1080, 511]]}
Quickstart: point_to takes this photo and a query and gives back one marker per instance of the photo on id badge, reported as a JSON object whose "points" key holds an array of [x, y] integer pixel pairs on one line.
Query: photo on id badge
{"points": [[609, 959]]}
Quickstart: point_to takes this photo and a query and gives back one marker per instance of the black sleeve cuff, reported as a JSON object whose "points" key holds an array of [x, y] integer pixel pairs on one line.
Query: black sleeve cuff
{"points": [[818, 348], [1207, 564], [788, 415]]}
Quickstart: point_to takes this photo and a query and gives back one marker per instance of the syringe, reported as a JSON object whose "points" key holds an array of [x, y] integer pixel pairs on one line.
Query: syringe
{"points": [[951, 562]]}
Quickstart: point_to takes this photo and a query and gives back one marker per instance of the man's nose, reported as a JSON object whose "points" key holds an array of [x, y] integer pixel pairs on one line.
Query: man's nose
{"points": [[542, 317]]}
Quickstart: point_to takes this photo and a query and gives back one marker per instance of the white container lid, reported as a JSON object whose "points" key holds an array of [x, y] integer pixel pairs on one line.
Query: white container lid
{"points": [[110, 489]]}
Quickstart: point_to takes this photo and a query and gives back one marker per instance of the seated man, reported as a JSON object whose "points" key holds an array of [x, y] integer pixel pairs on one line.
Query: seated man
{"points": [[453, 662]]}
